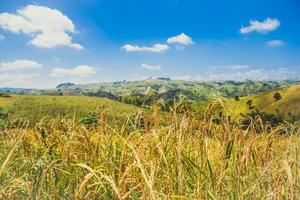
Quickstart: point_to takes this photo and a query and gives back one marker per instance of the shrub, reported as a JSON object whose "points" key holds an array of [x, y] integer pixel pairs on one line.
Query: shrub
{"points": [[5, 95], [277, 96], [250, 104], [266, 118], [90, 119]]}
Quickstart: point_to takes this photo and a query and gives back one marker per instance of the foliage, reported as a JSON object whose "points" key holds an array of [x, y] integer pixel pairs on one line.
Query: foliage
{"points": [[5, 95], [277, 96], [237, 98], [3, 118], [90, 119], [250, 104], [184, 158], [35, 109], [266, 119]]}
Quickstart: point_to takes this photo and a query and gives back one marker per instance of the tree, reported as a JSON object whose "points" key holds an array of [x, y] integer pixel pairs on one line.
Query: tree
{"points": [[250, 104], [237, 98], [277, 96]]}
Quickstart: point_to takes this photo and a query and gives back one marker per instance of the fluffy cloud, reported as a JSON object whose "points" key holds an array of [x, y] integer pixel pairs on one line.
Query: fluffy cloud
{"points": [[262, 27], [151, 67], [79, 71], [48, 27], [17, 80], [157, 48], [19, 65], [275, 43], [182, 39]]}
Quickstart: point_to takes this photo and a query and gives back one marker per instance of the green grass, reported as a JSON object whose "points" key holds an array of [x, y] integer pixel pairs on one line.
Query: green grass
{"points": [[265, 102], [7, 102], [36, 108]]}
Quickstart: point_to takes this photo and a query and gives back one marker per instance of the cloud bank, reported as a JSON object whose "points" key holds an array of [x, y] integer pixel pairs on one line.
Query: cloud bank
{"points": [[79, 71], [19, 65]]}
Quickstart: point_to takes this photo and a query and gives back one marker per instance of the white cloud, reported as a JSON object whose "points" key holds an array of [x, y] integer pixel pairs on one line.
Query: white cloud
{"points": [[48, 27], [19, 65], [182, 77], [151, 67], [235, 67], [17, 80], [157, 48], [79, 71], [275, 43], [262, 27], [251, 74], [182, 39]]}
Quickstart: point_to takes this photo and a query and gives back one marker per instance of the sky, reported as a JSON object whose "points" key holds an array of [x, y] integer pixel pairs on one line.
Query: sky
{"points": [[44, 43]]}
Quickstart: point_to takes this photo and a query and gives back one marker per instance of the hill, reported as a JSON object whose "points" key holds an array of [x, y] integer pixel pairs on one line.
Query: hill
{"points": [[287, 104], [37, 108], [191, 88], [136, 92]]}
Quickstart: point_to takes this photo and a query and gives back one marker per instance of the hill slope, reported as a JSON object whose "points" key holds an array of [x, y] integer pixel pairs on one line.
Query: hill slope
{"points": [[36, 108], [288, 105]]}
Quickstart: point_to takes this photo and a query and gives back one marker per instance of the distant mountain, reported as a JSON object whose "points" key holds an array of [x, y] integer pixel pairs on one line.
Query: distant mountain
{"points": [[164, 87], [64, 85], [14, 90]]}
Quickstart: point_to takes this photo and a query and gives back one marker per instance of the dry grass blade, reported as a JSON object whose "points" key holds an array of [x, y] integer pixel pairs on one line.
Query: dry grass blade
{"points": [[11, 153]]}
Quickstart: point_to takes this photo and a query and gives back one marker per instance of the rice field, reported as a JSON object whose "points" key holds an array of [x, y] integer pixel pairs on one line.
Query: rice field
{"points": [[186, 157]]}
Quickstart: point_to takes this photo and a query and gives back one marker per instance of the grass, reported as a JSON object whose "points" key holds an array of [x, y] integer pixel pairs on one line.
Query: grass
{"points": [[265, 102], [6, 102], [36, 108], [185, 158]]}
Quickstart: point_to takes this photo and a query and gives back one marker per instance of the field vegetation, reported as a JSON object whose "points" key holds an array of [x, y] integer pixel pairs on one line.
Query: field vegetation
{"points": [[126, 152]]}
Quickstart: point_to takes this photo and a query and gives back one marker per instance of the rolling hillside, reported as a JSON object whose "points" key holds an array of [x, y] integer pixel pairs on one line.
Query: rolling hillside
{"points": [[36, 108], [288, 105]]}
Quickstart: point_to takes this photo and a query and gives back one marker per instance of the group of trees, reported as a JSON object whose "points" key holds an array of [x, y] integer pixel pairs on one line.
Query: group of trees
{"points": [[5, 95], [269, 118], [266, 118], [101, 93]]}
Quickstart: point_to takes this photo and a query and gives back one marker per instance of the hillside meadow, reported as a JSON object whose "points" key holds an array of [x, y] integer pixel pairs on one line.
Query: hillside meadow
{"points": [[288, 106], [125, 152], [34, 109]]}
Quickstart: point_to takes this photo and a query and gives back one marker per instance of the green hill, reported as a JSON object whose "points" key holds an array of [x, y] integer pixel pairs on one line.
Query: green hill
{"points": [[36, 108], [194, 90], [288, 104]]}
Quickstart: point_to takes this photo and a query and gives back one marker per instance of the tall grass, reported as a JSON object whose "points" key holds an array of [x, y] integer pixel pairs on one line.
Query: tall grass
{"points": [[186, 157]]}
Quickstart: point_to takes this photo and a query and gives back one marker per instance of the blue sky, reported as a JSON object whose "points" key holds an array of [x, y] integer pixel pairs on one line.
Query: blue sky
{"points": [[43, 43]]}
